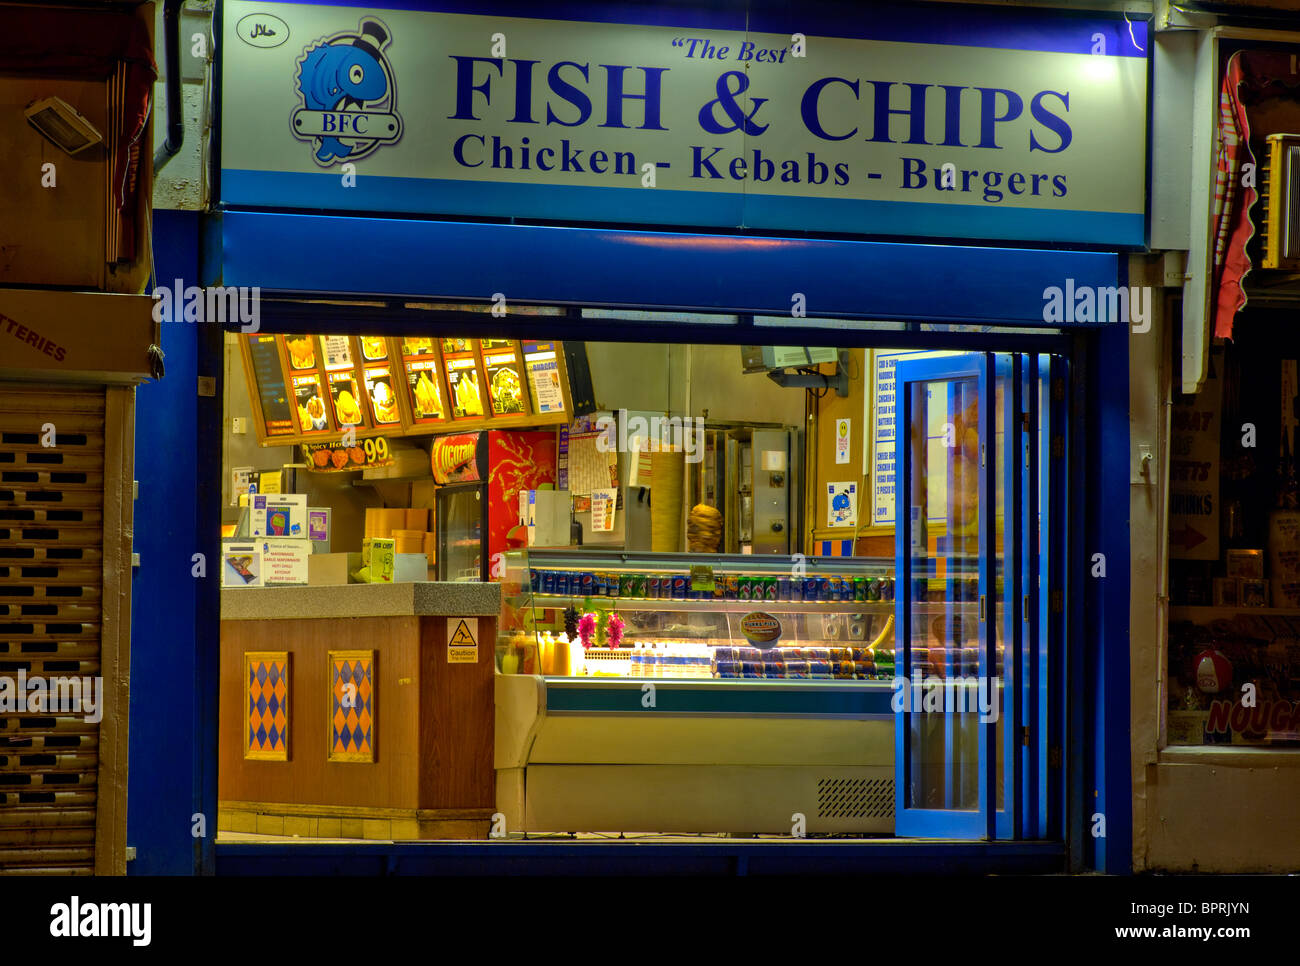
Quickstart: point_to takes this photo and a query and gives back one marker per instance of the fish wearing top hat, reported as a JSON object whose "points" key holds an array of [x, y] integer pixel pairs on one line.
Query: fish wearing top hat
{"points": [[348, 71]]}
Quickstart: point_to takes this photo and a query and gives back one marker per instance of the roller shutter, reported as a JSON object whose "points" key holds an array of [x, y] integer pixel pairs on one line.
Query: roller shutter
{"points": [[51, 619]]}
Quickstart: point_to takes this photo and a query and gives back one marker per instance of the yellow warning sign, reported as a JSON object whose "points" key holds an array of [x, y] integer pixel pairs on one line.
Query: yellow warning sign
{"points": [[462, 640]]}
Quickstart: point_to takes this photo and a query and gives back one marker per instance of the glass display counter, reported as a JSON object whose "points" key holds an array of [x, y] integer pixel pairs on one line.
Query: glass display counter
{"points": [[719, 693], [669, 616]]}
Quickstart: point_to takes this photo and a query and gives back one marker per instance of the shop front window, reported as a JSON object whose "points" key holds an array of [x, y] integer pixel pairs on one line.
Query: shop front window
{"points": [[1233, 676]]}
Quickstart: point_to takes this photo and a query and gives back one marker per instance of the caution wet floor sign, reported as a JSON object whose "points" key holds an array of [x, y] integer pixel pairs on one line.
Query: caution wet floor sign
{"points": [[462, 640]]}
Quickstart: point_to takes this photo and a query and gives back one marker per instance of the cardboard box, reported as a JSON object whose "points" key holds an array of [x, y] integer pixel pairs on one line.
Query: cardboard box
{"points": [[410, 567], [329, 569], [377, 554]]}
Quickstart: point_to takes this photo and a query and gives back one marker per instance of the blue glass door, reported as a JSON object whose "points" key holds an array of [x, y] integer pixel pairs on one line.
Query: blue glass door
{"points": [[967, 692]]}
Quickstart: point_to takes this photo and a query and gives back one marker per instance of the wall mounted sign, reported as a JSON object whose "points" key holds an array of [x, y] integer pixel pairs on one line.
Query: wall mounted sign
{"points": [[462, 640], [1015, 124], [454, 459]]}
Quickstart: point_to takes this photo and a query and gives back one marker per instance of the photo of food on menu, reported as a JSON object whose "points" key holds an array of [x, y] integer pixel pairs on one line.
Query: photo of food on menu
{"points": [[383, 401], [311, 406], [347, 405], [462, 377], [302, 351], [426, 400]]}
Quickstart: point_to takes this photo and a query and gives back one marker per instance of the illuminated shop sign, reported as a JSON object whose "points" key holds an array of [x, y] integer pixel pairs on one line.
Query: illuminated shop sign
{"points": [[1032, 128]]}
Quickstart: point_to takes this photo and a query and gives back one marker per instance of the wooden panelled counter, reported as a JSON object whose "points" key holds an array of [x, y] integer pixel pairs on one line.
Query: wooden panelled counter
{"points": [[391, 740]]}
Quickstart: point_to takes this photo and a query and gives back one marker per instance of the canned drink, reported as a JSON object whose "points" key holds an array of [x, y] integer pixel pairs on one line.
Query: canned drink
{"points": [[613, 586], [887, 588], [562, 582], [861, 588], [812, 588], [548, 581], [796, 588], [743, 588], [654, 587], [819, 668], [769, 588], [679, 586], [534, 579], [783, 588], [719, 588], [588, 584], [846, 588], [625, 585], [733, 587], [638, 585], [825, 591]]}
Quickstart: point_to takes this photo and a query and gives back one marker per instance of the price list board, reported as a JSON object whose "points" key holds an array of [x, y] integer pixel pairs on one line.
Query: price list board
{"points": [[314, 388], [270, 392]]}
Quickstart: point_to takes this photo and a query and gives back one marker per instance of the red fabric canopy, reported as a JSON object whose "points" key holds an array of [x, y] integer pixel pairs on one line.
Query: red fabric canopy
{"points": [[1247, 71]]}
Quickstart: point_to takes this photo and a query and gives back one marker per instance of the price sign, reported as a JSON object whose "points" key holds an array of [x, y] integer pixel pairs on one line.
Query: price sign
{"points": [[337, 458]]}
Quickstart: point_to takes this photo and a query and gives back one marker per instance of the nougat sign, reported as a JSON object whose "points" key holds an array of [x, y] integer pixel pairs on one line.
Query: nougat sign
{"points": [[1011, 124]]}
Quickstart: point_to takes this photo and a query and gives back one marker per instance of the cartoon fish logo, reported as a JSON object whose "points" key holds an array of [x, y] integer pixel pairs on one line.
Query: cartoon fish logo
{"points": [[349, 100]]}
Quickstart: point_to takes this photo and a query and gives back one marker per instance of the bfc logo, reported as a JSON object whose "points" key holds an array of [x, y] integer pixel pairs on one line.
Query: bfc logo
{"points": [[349, 98]]}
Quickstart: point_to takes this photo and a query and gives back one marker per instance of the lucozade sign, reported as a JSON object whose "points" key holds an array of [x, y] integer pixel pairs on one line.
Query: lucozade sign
{"points": [[952, 122]]}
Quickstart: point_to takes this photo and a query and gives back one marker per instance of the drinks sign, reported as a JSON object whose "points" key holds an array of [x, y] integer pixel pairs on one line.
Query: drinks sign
{"points": [[1011, 124], [454, 459]]}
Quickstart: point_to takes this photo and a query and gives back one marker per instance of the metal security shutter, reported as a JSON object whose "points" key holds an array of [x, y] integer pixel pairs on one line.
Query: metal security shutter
{"points": [[51, 586]]}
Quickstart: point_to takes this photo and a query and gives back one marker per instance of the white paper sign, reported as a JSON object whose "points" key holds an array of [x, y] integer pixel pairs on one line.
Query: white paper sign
{"points": [[603, 503], [241, 564], [279, 515], [841, 504], [240, 479], [842, 440], [285, 561]]}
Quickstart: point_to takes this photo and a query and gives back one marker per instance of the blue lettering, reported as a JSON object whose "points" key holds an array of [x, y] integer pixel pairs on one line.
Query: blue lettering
{"points": [[1050, 121], [809, 105], [465, 86], [458, 150]]}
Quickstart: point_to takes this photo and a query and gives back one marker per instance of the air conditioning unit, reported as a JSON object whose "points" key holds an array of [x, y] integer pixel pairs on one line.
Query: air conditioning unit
{"points": [[1280, 194], [60, 123]]}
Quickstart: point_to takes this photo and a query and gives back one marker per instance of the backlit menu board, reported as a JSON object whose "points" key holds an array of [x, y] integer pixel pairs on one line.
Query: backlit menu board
{"points": [[505, 387], [268, 379], [314, 388]]}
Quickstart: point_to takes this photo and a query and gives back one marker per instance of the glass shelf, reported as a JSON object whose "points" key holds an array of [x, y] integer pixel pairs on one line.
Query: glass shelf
{"points": [[709, 606]]}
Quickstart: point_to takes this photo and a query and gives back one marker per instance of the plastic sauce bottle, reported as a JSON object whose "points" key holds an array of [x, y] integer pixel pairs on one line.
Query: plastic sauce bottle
{"points": [[561, 659]]}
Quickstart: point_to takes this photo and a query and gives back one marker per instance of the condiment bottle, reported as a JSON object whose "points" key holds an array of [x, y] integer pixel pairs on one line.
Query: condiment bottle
{"points": [[560, 658]]}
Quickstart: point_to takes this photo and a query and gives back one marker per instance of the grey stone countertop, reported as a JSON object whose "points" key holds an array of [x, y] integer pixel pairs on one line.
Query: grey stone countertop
{"points": [[419, 599]]}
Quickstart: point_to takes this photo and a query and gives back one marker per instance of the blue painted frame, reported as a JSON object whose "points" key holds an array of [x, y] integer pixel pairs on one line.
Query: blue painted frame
{"points": [[910, 820], [672, 271]]}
